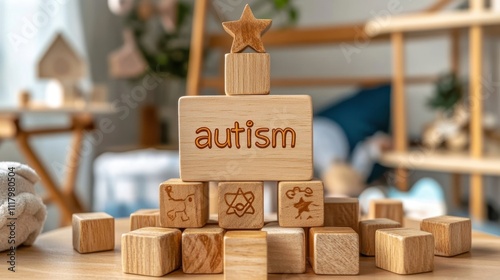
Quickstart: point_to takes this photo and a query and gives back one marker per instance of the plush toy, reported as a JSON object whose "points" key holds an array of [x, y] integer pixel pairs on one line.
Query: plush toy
{"points": [[22, 212]]}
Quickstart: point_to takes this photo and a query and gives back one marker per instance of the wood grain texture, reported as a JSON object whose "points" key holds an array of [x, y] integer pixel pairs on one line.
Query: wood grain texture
{"points": [[300, 203], [286, 249], [263, 118], [202, 250], [367, 229], [247, 73], [144, 218], [404, 251], [452, 235], [245, 255], [151, 251], [60, 61], [93, 232], [386, 208], [342, 212], [334, 250], [183, 204], [241, 205]]}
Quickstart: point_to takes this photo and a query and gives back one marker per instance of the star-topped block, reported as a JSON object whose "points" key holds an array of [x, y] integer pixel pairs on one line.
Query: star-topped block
{"points": [[247, 31]]}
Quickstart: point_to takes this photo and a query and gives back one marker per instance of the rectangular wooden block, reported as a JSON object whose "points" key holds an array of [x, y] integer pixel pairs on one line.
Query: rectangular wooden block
{"points": [[334, 250], [300, 203], [202, 250], [342, 212], [386, 208], [245, 138], [404, 251], [144, 218], [247, 73], [451, 234], [93, 232], [151, 251], [241, 205], [183, 204], [367, 229], [286, 249], [245, 255]]}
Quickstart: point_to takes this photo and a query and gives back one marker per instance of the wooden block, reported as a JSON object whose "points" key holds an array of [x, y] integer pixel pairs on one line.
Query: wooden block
{"points": [[367, 231], [286, 249], [183, 204], [404, 251], [144, 218], [334, 250], [202, 250], [245, 138], [248, 73], [151, 251], [386, 208], [245, 255], [93, 232], [241, 205], [300, 204], [342, 212], [451, 234]]}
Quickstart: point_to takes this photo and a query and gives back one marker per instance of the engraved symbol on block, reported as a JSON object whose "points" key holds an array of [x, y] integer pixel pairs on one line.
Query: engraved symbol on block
{"points": [[302, 205], [240, 203], [178, 205]]}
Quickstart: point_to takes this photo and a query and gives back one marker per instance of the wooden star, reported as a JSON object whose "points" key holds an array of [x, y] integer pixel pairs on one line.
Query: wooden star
{"points": [[247, 31]]}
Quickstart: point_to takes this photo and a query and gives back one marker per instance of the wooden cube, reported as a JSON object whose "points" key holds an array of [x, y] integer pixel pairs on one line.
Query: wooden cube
{"points": [[183, 204], [202, 250], [300, 204], [451, 234], [245, 255], [404, 251], [247, 73], [151, 251], [342, 212], [286, 249], [367, 231], [144, 218], [386, 208], [241, 205], [93, 232]]}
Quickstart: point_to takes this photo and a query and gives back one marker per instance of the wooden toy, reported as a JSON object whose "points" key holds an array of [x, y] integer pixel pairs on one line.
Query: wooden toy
{"points": [[202, 250], [151, 251], [241, 205], [404, 251], [245, 255], [286, 249], [127, 62], [300, 204], [342, 212], [247, 73], [334, 250], [367, 229], [144, 218], [386, 208], [24, 98], [451, 234], [93, 232], [183, 204]]}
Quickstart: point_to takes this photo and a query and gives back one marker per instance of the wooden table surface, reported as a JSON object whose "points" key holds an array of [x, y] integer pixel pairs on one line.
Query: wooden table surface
{"points": [[52, 257]]}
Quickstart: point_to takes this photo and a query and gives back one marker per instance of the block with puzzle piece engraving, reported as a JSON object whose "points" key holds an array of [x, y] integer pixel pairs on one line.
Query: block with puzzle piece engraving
{"points": [[144, 218], [248, 74], [367, 229], [300, 203], [386, 208], [342, 212], [241, 205], [183, 204], [334, 250], [286, 249], [451, 234], [245, 255], [404, 250], [151, 251], [93, 232], [202, 250]]}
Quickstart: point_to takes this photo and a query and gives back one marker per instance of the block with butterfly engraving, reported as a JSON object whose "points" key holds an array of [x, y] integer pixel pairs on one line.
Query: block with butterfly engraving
{"points": [[300, 203], [183, 204], [241, 205]]}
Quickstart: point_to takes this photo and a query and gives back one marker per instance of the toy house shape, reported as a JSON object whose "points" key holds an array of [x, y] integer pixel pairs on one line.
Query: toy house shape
{"points": [[126, 62], [61, 62]]}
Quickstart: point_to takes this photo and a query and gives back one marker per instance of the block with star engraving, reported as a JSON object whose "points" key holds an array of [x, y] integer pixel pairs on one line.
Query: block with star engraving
{"points": [[300, 203], [241, 205], [247, 73]]}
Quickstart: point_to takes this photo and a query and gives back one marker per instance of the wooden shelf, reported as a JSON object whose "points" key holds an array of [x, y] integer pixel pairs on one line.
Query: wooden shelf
{"points": [[38, 108]]}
